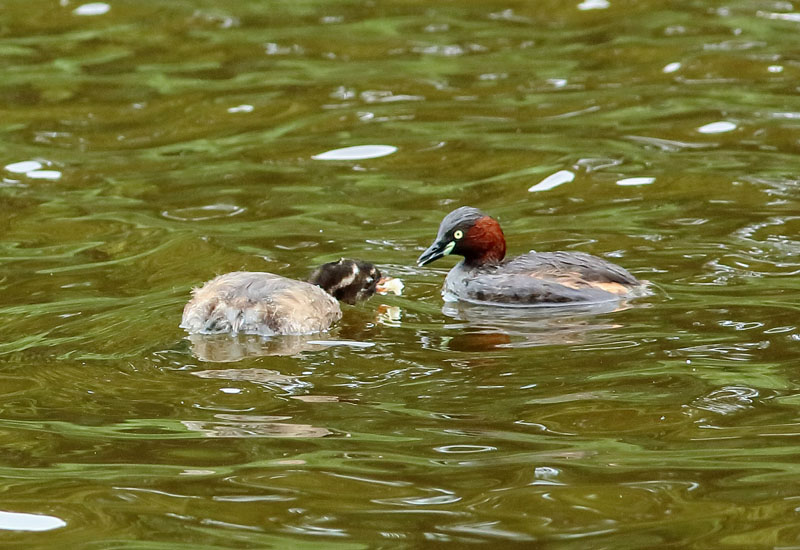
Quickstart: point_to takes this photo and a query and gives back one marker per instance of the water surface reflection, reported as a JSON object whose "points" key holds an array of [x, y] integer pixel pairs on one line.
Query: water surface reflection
{"points": [[148, 146], [488, 327]]}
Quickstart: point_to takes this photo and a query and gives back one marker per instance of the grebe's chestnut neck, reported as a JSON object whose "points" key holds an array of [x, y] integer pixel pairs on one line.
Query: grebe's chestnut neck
{"points": [[347, 280], [470, 233]]}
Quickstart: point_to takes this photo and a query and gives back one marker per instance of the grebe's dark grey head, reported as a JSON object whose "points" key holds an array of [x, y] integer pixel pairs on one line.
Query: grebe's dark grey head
{"points": [[347, 280], [467, 232]]}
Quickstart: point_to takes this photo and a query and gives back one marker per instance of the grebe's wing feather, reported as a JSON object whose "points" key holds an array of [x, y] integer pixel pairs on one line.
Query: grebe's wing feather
{"points": [[523, 289], [581, 268]]}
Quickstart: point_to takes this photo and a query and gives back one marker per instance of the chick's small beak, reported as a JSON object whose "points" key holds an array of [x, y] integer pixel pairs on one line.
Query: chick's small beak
{"points": [[389, 284], [437, 250]]}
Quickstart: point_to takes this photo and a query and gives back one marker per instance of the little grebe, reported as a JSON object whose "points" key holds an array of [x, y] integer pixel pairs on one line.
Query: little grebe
{"points": [[267, 304], [535, 278]]}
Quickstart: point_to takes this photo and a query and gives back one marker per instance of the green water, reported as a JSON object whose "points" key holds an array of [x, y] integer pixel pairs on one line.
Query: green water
{"points": [[176, 143]]}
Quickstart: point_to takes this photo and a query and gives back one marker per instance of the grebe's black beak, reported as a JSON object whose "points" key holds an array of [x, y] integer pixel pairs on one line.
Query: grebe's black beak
{"points": [[437, 250]]}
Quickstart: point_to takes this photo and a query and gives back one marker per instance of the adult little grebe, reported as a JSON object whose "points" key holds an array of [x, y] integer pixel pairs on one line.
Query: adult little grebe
{"points": [[264, 303], [535, 278]]}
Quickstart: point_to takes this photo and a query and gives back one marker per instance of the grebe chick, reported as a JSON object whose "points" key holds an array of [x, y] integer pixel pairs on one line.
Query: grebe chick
{"points": [[267, 304], [535, 278]]}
